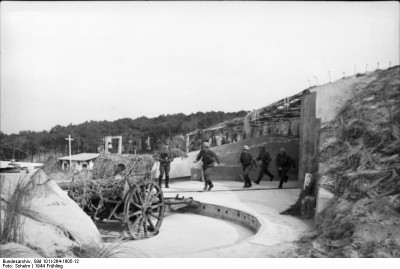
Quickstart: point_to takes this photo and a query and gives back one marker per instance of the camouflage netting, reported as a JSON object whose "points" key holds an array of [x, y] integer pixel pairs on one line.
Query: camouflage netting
{"points": [[110, 174], [107, 166], [359, 161]]}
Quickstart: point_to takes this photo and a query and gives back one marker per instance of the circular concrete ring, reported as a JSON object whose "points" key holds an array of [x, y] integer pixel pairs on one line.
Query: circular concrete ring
{"points": [[225, 213]]}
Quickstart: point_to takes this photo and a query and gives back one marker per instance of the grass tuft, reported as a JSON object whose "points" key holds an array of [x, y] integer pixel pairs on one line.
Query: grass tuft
{"points": [[111, 250], [18, 205]]}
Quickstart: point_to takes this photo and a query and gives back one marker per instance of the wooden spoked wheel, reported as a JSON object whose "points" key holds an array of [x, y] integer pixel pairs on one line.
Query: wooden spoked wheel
{"points": [[144, 210]]}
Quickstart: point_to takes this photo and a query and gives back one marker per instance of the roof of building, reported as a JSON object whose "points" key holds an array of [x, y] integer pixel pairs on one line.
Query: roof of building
{"points": [[80, 157], [7, 164], [218, 126], [289, 107]]}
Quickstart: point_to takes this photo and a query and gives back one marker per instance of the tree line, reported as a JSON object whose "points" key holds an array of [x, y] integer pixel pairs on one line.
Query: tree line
{"points": [[140, 135]]}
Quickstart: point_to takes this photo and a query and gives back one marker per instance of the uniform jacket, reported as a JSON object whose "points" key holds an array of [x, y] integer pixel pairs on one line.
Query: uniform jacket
{"points": [[264, 157], [164, 159], [284, 160], [246, 159], [202, 153]]}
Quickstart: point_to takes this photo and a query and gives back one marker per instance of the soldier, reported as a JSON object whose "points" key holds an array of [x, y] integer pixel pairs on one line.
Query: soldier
{"points": [[208, 157], [248, 163], [265, 159], [283, 163], [165, 161]]}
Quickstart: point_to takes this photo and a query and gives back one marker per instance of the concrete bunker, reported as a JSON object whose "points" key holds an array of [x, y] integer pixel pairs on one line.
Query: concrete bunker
{"points": [[290, 123], [293, 123]]}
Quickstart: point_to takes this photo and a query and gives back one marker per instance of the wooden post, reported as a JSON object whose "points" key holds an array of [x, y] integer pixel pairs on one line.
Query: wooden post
{"points": [[187, 143], [120, 145], [69, 140]]}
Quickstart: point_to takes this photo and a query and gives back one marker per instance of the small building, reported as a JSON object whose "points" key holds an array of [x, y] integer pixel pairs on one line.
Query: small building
{"points": [[82, 161]]}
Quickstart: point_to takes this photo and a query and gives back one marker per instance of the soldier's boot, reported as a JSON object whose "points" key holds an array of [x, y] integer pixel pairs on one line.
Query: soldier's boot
{"points": [[210, 186], [272, 178], [281, 183], [166, 182], [248, 182], [245, 182], [205, 185]]}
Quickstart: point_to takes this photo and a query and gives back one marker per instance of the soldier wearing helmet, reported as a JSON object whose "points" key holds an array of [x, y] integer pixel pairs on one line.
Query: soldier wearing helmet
{"points": [[208, 158], [248, 162], [283, 162]]}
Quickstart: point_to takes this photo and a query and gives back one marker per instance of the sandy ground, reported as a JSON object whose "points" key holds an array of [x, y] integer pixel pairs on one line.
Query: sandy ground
{"points": [[189, 235]]}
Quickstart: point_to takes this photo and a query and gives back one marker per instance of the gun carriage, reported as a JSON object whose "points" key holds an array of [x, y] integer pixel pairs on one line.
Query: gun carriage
{"points": [[122, 188]]}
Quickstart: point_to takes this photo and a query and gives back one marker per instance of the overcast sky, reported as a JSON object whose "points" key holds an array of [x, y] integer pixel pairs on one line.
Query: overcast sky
{"points": [[71, 62]]}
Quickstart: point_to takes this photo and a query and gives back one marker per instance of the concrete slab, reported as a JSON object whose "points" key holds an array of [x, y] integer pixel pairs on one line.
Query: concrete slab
{"points": [[181, 234], [209, 237]]}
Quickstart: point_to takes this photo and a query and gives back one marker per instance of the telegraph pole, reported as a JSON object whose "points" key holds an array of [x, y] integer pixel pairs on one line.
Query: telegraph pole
{"points": [[69, 140]]}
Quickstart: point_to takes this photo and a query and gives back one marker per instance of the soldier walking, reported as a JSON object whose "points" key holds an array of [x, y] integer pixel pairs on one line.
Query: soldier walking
{"points": [[248, 163], [165, 160], [265, 159], [208, 158], [283, 162]]}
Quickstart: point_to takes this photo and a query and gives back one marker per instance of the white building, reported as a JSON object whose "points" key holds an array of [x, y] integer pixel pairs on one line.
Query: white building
{"points": [[79, 162]]}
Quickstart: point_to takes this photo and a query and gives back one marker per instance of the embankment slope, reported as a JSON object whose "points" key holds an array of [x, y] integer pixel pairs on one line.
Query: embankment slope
{"points": [[359, 162]]}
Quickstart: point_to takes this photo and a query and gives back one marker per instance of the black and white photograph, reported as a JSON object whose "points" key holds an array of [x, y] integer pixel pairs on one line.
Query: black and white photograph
{"points": [[140, 130]]}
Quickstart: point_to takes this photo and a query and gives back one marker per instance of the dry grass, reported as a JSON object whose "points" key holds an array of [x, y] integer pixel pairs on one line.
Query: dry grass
{"points": [[368, 132], [111, 250], [17, 205], [360, 163], [13, 250]]}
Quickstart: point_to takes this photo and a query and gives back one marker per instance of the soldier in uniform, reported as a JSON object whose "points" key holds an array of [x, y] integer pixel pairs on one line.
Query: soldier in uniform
{"points": [[165, 161], [265, 159], [248, 163], [208, 158], [283, 162]]}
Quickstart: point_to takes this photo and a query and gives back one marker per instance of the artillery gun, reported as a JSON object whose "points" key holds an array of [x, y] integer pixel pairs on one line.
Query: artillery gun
{"points": [[123, 188]]}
